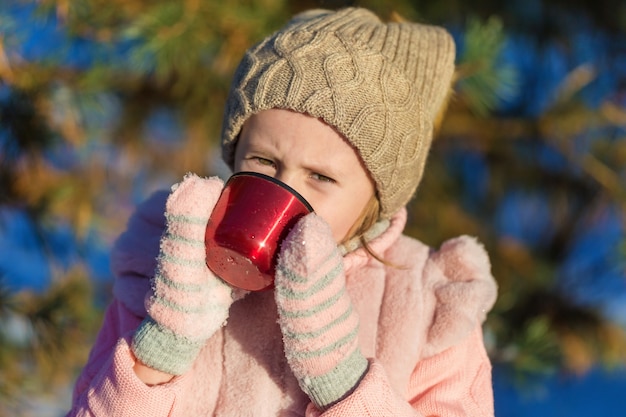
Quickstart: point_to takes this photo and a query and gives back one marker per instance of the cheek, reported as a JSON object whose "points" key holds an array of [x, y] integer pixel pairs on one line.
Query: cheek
{"points": [[340, 209], [242, 166], [239, 165], [340, 216]]}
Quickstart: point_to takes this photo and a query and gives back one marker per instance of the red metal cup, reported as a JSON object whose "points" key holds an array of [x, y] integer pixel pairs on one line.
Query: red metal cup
{"points": [[252, 216]]}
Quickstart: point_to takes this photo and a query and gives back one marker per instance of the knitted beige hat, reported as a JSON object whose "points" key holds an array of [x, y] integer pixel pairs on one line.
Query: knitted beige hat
{"points": [[379, 84]]}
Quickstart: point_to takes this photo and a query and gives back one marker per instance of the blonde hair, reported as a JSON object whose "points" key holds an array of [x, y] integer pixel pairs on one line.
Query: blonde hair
{"points": [[369, 216]]}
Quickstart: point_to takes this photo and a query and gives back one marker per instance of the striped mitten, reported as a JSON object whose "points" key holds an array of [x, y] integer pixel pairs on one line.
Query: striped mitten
{"points": [[188, 303], [319, 325]]}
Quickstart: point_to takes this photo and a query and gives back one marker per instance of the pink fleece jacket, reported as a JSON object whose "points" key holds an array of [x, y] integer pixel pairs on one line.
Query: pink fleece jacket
{"points": [[420, 328]]}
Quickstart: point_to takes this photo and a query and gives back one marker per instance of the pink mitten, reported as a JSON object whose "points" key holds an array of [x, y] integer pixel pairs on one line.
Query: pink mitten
{"points": [[188, 303], [319, 325]]}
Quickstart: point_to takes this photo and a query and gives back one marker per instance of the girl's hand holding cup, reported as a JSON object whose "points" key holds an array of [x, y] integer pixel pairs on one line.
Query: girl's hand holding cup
{"points": [[188, 302], [316, 315]]}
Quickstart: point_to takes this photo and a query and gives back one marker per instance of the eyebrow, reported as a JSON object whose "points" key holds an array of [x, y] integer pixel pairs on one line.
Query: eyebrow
{"points": [[254, 144]]}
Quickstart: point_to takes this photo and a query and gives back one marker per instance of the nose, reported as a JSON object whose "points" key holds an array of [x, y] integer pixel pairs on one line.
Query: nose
{"points": [[284, 177], [288, 178]]}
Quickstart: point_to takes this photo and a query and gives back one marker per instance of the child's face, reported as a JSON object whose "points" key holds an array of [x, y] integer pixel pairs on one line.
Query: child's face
{"points": [[311, 157]]}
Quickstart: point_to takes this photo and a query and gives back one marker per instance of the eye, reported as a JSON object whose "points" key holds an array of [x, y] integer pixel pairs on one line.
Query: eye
{"points": [[263, 161], [322, 178]]}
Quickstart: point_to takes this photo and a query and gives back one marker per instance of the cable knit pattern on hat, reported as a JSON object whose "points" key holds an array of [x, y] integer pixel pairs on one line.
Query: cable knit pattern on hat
{"points": [[379, 84]]}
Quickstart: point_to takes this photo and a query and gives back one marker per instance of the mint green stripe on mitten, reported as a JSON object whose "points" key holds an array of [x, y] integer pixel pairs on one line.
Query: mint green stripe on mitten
{"points": [[319, 324], [162, 349], [187, 303], [326, 389]]}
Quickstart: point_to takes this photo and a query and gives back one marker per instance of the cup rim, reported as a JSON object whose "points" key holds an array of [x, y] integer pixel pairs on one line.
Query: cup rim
{"points": [[275, 181]]}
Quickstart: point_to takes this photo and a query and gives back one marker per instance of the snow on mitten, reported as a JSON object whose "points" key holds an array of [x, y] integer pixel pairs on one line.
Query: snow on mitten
{"points": [[316, 317], [188, 303]]}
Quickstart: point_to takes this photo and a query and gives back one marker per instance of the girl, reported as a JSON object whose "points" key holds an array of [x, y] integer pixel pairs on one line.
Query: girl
{"points": [[363, 321]]}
